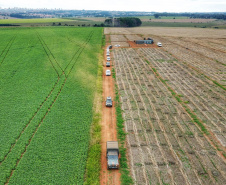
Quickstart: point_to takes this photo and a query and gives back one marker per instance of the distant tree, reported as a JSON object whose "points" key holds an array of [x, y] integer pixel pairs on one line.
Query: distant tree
{"points": [[156, 16], [54, 23], [108, 21], [59, 24]]}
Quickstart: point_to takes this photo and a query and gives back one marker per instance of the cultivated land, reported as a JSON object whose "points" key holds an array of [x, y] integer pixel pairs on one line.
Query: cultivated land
{"points": [[46, 20], [173, 101], [147, 21], [48, 81]]}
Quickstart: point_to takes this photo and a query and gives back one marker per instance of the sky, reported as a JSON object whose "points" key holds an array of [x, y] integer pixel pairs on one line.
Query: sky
{"points": [[122, 5]]}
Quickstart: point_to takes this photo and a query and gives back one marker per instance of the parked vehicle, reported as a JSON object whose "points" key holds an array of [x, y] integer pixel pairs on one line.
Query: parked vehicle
{"points": [[109, 102], [108, 64], [108, 54], [108, 72], [110, 46], [159, 44], [108, 58], [112, 155]]}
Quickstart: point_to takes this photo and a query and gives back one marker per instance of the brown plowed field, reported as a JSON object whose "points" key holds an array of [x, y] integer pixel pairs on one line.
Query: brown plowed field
{"points": [[173, 100], [108, 132], [183, 20]]}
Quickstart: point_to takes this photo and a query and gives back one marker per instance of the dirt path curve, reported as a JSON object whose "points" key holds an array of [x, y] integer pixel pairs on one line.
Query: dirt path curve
{"points": [[108, 133]]}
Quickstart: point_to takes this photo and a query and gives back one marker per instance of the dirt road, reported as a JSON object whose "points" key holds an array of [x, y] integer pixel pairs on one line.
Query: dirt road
{"points": [[108, 133]]}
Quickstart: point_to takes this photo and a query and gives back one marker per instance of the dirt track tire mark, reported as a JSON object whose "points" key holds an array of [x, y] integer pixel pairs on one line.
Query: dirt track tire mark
{"points": [[9, 45], [48, 55], [80, 50], [43, 43]]}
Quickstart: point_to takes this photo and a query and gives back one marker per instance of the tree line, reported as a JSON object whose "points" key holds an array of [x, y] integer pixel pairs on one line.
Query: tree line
{"points": [[123, 22], [194, 15]]}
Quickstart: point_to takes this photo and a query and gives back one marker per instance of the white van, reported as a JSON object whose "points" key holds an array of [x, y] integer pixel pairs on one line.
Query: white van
{"points": [[108, 54], [159, 44], [108, 58], [108, 72]]}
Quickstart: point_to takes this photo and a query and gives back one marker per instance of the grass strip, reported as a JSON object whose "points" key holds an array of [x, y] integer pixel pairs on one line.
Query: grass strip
{"points": [[221, 86], [121, 134], [147, 61], [93, 164]]}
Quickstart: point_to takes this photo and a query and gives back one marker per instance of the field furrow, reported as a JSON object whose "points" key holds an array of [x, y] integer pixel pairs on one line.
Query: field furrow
{"points": [[185, 82], [164, 143], [6, 50], [212, 68]]}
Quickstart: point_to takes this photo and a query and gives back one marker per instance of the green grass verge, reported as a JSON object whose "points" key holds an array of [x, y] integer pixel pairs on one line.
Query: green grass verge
{"points": [[121, 134], [219, 85], [147, 61], [93, 164], [103, 40]]}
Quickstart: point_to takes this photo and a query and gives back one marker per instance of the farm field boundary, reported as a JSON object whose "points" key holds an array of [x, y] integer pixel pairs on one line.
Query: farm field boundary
{"points": [[93, 165], [15, 161], [164, 143]]}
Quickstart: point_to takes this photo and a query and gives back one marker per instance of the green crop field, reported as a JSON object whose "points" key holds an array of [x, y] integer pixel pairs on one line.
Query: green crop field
{"points": [[47, 85], [46, 20]]}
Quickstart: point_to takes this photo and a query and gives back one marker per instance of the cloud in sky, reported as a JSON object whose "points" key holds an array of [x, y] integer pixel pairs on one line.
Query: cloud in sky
{"points": [[123, 5]]}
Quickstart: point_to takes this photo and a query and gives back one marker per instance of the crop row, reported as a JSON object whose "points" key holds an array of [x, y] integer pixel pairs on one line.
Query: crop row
{"points": [[52, 145], [206, 99], [165, 145], [209, 66], [201, 49]]}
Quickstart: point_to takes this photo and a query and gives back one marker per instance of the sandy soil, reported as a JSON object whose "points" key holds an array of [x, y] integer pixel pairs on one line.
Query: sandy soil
{"points": [[108, 133], [174, 32], [182, 20]]}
